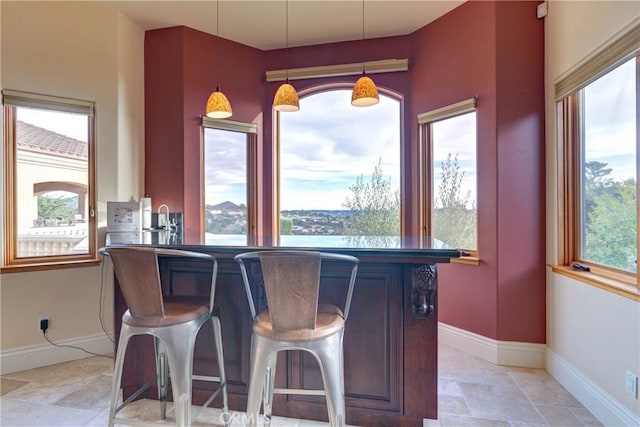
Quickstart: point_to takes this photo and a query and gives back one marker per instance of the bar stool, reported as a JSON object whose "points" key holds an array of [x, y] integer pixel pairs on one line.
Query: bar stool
{"points": [[173, 321], [294, 320]]}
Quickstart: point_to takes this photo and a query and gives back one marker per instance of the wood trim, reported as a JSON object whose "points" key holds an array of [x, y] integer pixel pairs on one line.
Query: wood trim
{"points": [[353, 69], [11, 262], [252, 188], [10, 248], [570, 128], [608, 284], [57, 265], [468, 260]]}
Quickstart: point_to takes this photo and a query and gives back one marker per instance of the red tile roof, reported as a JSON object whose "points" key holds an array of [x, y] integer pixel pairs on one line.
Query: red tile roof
{"points": [[39, 140]]}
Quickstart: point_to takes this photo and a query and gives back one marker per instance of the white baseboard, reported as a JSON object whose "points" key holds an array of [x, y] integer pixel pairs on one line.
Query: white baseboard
{"points": [[600, 403], [509, 353], [35, 356]]}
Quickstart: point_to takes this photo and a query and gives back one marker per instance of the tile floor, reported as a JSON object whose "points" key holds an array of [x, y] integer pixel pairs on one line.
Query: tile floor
{"points": [[471, 392]]}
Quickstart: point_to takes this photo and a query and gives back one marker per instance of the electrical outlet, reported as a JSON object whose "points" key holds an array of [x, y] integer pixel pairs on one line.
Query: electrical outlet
{"points": [[631, 384], [43, 324]]}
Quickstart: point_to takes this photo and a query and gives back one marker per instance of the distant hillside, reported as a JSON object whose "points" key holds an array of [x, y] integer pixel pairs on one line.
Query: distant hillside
{"points": [[224, 206]]}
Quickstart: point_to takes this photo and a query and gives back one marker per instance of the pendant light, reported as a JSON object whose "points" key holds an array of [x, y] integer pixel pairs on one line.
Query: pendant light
{"points": [[365, 92], [286, 98], [218, 106]]}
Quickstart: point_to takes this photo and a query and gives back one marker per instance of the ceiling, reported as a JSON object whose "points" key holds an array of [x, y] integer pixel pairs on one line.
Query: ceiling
{"points": [[262, 23]]}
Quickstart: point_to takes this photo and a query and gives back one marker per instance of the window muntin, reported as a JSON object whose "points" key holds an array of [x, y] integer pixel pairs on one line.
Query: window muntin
{"points": [[339, 172], [607, 212], [448, 141], [49, 180], [228, 192]]}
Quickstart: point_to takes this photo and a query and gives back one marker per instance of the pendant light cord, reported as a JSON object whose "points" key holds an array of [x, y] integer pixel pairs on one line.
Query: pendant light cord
{"points": [[217, 46], [363, 33], [287, 38]]}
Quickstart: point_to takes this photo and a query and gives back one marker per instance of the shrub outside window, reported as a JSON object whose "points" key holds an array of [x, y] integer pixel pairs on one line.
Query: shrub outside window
{"points": [[597, 135]]}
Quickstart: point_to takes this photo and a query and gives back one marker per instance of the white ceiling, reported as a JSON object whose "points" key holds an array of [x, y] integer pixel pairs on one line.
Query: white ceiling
{"points": [[262, 23]]}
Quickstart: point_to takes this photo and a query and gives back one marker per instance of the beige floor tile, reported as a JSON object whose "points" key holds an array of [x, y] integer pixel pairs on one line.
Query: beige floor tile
{"points": [[585, 417], [559, 416], [30, 414], [458, 420], [502, 401], [448, 387], [542, 389], [8, 385], [452, 405], [94, 395], [471, 392]]}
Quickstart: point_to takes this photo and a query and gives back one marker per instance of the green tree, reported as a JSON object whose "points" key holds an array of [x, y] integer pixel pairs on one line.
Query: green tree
{"points": [[375, 210], [286, 225], [454, 214], [611, 218], [55, 207]]}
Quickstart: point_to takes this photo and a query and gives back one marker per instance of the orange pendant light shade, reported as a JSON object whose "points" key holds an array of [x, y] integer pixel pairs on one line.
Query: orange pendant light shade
{"points": [[365, 92], [286, 98], [218, 106]]}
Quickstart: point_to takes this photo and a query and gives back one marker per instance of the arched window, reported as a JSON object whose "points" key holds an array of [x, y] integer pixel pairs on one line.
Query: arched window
{"points": [[339, 172]]}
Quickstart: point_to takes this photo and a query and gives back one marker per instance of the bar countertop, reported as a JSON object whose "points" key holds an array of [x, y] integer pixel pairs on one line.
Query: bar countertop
{"points": [[369, 246]]}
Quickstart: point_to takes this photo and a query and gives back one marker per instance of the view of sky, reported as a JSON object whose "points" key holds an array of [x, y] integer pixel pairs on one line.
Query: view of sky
{"points": [[610, 111], [329, 143], [67, 124]]}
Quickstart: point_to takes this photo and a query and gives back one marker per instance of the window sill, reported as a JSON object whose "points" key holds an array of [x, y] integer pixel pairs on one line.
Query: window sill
{"points": [[23, 268], [608, 284], [469, 260]]}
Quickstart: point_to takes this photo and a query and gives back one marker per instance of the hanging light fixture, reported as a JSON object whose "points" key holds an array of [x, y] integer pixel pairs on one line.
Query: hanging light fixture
{"points": [[365, 92], [218, 106], [286, 97]]}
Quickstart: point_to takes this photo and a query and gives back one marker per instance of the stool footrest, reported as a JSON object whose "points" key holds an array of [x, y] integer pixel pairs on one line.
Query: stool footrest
{"points": [[298, 391], [138, 392], [205, 378]]}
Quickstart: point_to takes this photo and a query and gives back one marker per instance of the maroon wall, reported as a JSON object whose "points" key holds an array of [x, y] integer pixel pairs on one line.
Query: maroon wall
{"points": [[494, 51], [490, 50], [180, 74], [521, 199]]}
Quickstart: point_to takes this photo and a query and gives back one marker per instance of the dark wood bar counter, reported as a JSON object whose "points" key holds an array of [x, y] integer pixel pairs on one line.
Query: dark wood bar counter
{"points": [[390, 342]]}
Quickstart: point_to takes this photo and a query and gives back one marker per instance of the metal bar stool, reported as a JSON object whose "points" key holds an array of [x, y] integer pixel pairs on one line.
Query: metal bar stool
{"points": [[294, 320], [173, 321]]}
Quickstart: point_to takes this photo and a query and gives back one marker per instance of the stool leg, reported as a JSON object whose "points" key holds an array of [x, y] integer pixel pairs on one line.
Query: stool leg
{"points": [[269, 385], [162, 371], [329, 352], [259, 361], [179, 343], [117, 371], [217, 332]]}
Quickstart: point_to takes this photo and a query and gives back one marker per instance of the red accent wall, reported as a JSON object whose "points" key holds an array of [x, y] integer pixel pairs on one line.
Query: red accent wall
{"points": [[180, 74], [490, 50], [494, 51]]}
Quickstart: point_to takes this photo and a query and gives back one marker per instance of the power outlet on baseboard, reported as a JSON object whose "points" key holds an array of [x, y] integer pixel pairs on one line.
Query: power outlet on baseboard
{"points": [[631, 384]]}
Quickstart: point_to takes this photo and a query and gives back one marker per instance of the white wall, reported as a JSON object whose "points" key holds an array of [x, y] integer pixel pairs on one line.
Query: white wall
{"points": [[86, 51], [593, 336]]}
